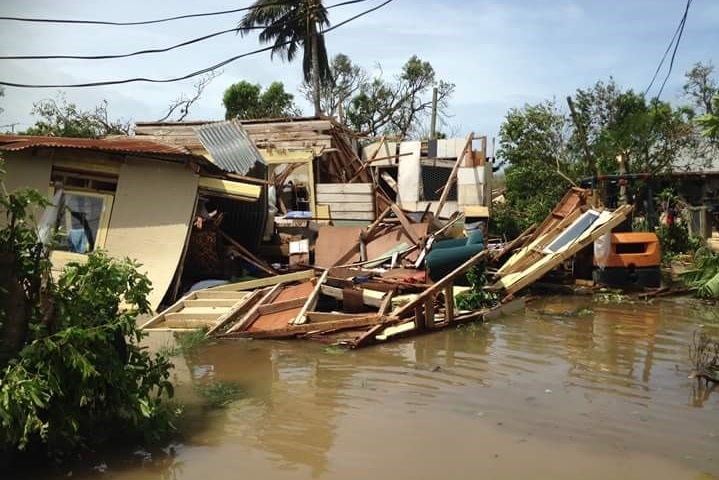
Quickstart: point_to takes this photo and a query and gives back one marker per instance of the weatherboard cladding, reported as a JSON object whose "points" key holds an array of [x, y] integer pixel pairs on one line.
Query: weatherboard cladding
{"points": [[230, 146]]}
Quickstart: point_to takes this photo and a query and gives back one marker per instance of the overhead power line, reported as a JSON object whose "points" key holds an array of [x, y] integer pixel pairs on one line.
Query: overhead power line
{"points": [[148, 22], [154, 50], [676, 38], [124, 24], [121, 55], [197, 72]]}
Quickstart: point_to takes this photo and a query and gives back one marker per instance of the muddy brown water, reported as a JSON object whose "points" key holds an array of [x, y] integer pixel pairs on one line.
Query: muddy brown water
{"points": [[570, 388]]}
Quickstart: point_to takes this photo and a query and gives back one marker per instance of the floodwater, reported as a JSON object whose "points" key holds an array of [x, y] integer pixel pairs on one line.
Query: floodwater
{"points": [[570, 388]]}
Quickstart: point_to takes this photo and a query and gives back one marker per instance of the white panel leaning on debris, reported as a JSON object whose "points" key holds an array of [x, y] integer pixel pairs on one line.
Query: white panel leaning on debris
{"points": [[347, 201]]}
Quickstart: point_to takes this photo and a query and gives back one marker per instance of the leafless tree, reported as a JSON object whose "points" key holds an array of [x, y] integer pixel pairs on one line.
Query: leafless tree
{"points": [[182, 104]]}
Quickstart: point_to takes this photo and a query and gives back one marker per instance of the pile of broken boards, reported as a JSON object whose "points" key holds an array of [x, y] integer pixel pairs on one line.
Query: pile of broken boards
{"points": [[353, 303], [345, 299], [571, 227]]}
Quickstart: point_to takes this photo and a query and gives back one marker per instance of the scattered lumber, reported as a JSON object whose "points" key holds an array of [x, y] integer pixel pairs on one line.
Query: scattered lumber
{"points": [[537, 262], [198, 310], [453, 174], [295, 330]]}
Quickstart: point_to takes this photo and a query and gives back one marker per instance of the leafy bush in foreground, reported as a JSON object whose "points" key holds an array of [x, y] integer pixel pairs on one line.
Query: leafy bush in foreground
{"points": [[72, 371]]}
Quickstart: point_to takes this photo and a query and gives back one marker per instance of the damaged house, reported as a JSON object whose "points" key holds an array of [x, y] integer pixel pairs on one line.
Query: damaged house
{"points": [[143, 200]]}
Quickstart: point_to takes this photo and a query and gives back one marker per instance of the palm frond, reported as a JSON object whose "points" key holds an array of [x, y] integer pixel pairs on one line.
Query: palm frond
{"points": [[704, 276]]}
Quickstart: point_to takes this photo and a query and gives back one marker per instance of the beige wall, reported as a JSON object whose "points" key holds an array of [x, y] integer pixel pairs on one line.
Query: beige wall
{"points": [[24, 170], [151, 211], [151, 214]]}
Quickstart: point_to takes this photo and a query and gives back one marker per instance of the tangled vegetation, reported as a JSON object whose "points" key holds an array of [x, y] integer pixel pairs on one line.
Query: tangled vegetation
{"points": [[477, 296], [72, 371], [704, 276]]}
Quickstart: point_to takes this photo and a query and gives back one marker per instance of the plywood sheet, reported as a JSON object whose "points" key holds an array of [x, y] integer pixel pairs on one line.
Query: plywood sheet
{"points": [[274, 321], [388, 149], [277, 320], [332, 242], [153, 207], [292, 292], [408, 174], [450, 147]]}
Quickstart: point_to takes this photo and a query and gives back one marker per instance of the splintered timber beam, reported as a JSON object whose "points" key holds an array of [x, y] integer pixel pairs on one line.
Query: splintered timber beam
{"points": [[441, 284], [307, 328], [404, 221], [364, 165], [254, 312], [518, 241], [235, 311], [248, 256], [453, 175], [514, 282], [365, 236], [263, 282], [311, 300]]}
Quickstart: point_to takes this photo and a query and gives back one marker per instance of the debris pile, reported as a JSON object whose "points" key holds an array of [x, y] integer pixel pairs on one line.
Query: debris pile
{"points": [[392, 278]]}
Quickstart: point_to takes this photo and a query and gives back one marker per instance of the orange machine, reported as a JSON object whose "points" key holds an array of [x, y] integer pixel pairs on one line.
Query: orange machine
{"points": [[634, 259]]}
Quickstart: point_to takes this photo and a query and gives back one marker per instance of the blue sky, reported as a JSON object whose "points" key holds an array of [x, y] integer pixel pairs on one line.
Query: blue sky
{"points": [[500, 54]]}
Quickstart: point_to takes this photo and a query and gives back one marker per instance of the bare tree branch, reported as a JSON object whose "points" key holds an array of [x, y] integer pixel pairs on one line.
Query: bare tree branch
{"points": [[183, 103]]}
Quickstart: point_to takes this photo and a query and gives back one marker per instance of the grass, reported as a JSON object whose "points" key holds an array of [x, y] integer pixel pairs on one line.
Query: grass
{"points": [[219, 394], [186, 343], [474, 327], [335, 349]]}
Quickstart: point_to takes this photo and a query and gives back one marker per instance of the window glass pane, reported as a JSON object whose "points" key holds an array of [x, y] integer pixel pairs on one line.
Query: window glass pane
{"points": [[573, 231], [79, 222]]}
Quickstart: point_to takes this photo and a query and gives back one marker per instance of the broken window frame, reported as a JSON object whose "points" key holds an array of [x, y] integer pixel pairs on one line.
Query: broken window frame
{"points": [[573, 231], [85, 184]]}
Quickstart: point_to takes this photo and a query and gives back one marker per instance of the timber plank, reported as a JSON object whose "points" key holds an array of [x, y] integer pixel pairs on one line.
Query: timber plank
{"points": [[248, 301], [211, 302], [311, 300], [263, 282], [253, 312], [294, 330]]}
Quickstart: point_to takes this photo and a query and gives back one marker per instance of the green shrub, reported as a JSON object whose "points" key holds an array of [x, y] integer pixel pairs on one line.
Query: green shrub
{"points": [[78, 376], [704, 276], [477, 296]]}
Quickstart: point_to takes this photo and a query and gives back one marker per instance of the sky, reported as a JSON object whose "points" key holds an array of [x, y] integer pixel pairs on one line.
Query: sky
{"points": [[500, 54]]}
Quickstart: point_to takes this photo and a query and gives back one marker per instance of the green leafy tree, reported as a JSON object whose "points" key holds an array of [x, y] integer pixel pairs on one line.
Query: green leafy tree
{"points": [[245, 100], [545, 149], [58, 118], [398, 108], [291, 26], [72, 371], [532, 140], [648, 135], [346, 80], [710, 121]]}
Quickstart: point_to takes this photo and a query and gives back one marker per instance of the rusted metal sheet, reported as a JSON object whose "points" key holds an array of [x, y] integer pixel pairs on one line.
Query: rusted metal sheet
{"points": [[14, 143]]}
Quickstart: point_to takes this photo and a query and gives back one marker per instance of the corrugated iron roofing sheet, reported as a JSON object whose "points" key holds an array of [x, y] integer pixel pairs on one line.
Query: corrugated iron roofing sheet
{"points": [[12, 143], [230, 146]]}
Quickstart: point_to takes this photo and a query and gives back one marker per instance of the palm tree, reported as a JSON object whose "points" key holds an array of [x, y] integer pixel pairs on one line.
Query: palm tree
{"points": [[291, 25]]}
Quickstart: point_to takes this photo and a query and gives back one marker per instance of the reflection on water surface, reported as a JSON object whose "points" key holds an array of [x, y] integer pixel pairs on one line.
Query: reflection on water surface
{"points": [[567, 389]]}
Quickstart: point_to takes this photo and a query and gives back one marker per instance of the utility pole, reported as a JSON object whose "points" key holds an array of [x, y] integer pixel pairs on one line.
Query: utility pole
{"points": [[433, 124], [622, 159], [11, 125]]}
